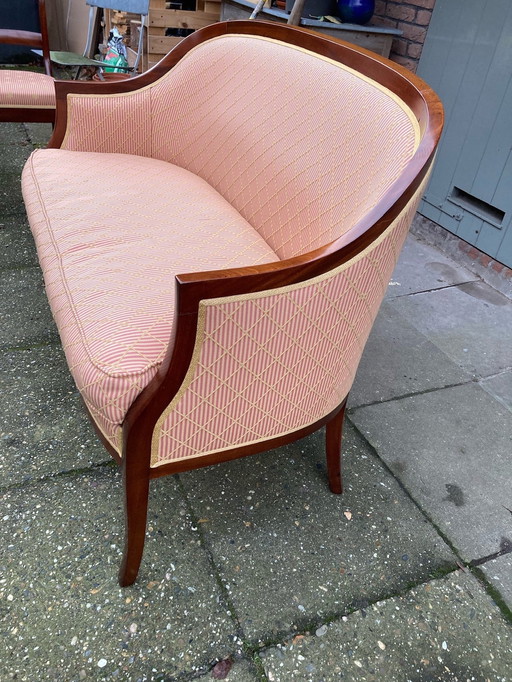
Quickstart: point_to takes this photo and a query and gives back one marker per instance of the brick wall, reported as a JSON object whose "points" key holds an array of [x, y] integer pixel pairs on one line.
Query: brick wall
{"points": [[412, 17]]}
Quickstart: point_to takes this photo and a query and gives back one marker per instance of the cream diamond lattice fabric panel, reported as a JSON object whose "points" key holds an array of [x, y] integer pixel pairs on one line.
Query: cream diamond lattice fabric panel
{"points": [[300, 145], [268, 364], [119, 124]]}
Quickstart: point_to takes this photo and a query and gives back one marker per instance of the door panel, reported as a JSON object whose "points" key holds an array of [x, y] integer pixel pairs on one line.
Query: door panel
{"points": [[467, 58]]}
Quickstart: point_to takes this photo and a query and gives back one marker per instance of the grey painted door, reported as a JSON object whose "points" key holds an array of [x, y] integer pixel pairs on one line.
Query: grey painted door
{"points": [[467, 59]]}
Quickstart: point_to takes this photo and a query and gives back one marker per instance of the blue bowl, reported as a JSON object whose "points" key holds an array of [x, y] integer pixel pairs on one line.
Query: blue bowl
{"points": [[356, 11]]}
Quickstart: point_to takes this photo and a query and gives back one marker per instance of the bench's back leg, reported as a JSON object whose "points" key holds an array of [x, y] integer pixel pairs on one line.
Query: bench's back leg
{"points": [[333, 437]]}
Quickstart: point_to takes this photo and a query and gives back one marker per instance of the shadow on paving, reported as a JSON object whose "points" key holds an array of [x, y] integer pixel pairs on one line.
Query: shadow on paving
{"points": [[290, 552]]}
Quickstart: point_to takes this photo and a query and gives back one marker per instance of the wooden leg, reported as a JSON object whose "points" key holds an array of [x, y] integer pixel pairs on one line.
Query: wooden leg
{"points": [[136, 494], [333, 436]]}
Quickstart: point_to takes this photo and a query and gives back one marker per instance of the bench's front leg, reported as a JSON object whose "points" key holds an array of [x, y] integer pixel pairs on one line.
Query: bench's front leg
{"points": [[136, 494]]}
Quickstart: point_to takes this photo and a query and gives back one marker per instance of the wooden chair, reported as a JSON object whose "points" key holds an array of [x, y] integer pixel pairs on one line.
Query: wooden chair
{"points": [[26, 95], [280, 170]]}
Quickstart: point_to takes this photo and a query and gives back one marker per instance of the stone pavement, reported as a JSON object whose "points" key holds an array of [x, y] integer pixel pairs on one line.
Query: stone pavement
{"points": [[253, 570]]}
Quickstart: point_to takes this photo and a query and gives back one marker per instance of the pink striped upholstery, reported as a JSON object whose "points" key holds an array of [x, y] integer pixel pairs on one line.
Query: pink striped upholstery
{"points": [[112, 231], [274, 362], [241, 152], [319, 160], [205, 183], [26, 89]]}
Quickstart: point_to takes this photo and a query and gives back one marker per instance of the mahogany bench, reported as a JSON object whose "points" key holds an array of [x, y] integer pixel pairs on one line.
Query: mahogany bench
{"points": [[216, 237]]}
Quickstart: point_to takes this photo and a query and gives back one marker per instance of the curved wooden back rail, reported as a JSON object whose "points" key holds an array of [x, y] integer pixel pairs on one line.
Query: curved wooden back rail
{"points": [[199, 293]]}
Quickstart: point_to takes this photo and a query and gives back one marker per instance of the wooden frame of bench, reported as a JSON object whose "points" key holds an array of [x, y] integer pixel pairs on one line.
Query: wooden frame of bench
{"points": [[193, 288]]}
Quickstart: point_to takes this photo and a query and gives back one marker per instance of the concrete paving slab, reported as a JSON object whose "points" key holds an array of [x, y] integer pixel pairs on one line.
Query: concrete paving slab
{"points": [[18, 141], [500, 387], [39, 133], [447, 630], [43, 426], [422, 267], [470, 323], [63, 615], [399, 360], [452, 450], [15, 148], [24, 311], [290, 552], [454, 247], [10, 132], [16, 243], [498, 572], [11, 200]]}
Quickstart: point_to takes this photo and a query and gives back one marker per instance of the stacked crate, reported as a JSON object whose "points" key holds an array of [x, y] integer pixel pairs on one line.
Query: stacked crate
{"points": [[129, 27], [164, 21]]}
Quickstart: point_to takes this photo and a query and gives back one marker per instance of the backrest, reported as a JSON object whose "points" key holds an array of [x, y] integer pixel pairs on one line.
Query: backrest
{"points": [[300, 145], [32, 39]]}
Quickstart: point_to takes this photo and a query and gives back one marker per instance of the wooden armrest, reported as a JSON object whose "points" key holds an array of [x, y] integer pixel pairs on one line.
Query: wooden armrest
{"points": [[15, 37]]}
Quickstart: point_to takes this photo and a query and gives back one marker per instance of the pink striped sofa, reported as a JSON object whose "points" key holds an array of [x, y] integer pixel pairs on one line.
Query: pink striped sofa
{"points": [[216, 237]]}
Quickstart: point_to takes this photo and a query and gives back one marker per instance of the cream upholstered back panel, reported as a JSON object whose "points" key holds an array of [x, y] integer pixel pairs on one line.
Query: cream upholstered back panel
{"points": [[269, 363], [300, 145]]}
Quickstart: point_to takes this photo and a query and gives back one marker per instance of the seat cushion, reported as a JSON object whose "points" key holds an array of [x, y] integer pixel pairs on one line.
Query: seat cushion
{"points": [[26, 89], [112, 231]]}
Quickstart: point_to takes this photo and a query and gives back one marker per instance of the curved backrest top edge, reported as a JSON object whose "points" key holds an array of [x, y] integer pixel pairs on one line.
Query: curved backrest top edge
{"points": [[413, 91]]}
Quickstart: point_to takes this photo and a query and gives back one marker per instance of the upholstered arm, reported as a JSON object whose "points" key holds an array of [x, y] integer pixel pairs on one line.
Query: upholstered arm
{"points": [[253, 375], [91, 118], [110, 117]]}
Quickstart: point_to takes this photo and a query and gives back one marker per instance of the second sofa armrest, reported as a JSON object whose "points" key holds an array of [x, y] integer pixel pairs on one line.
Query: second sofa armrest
{"points": [[115, 117], [112, 118]]}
